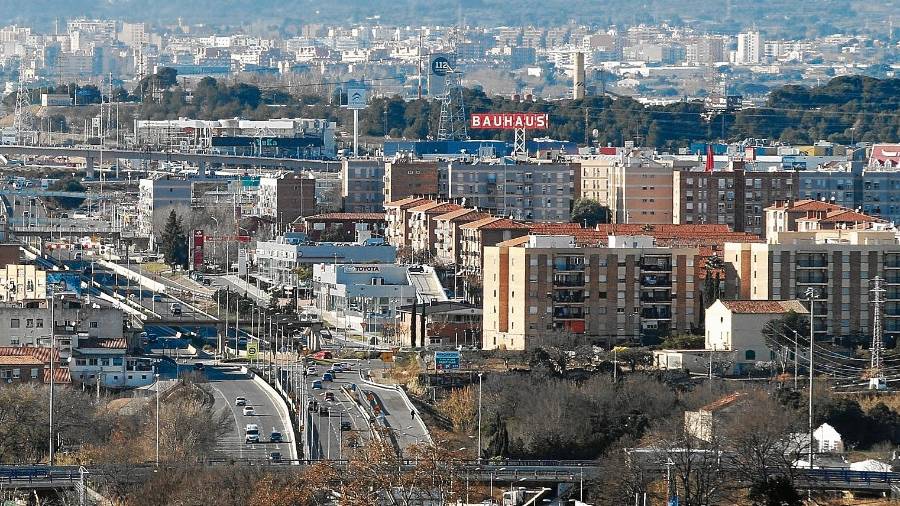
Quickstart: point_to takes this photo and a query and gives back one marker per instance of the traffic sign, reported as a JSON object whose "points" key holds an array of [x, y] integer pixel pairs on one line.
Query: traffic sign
{"points": [[252, 349], [446, 360], [356, 98]]}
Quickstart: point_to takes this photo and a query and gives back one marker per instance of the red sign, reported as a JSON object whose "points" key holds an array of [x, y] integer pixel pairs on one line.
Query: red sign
{"points": [[198, 249], [509, 121]]}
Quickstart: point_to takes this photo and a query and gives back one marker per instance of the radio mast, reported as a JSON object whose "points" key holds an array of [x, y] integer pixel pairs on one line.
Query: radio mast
{"points": [[877, 380]]}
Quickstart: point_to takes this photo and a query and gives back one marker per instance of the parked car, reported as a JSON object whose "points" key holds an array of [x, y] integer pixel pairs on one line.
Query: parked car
{"points": [[346, 425], [275, 437], [329, 396], [249, 411], [240, 401]]}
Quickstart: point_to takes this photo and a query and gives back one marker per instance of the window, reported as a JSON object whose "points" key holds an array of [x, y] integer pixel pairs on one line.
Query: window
{"points": [[29, 323], [94, 325], [34, 372], [750, 354], [14, 323], [39, 323], [17, 373]]}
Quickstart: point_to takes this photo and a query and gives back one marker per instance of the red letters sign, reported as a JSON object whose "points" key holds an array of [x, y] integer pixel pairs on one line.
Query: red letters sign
{"points": [[509, 121], [198, 249]]}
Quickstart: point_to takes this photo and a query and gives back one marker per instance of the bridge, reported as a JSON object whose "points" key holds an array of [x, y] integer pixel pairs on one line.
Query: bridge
{"points": [[202, 160]]}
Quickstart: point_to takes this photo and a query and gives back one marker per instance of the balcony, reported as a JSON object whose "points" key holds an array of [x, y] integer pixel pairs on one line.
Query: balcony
{"points": [[568, 313], [569, 280], [569, 296], [812, 278], [892, 277], [569, 264], [657, 264], [654, 280], [660, 313], [891, 261], [892, 294], [812, 260], [658, 298]]}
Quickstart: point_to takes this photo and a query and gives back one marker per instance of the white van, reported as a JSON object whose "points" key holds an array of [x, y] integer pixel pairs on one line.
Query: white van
{"points": [[252, 433]]}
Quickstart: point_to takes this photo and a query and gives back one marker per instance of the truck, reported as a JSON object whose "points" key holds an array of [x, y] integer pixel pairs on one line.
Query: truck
{"points": [[175, 309]]}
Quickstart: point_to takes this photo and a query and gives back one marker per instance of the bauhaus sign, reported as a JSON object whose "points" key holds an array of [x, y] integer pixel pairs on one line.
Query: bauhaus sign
{"points": [[509, 121]]}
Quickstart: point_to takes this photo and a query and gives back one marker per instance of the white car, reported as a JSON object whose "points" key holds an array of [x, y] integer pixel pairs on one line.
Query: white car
{"points": [[240, 401], [311, 371], [248, 411]]}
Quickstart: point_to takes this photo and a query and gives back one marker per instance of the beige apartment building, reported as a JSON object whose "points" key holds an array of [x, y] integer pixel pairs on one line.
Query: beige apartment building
{"points": [[640, 191], [448, 235], [422, 225], [834, 251], [396, 232], [477, 235], [537, 288]]}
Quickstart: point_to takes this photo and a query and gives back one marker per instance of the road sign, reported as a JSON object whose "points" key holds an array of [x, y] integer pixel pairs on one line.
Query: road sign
{"points": [[356, 98], [440, 66], [252, 349], [446, 360]]}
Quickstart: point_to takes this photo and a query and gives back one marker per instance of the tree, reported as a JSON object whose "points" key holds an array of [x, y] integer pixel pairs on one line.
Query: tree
{"points": [[460, 407], [173, 242], [67, 185], [589, 212], [781, 331]]}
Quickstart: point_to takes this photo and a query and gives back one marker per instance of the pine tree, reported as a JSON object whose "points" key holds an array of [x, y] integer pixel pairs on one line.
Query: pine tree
{"points": [[173, 242]]}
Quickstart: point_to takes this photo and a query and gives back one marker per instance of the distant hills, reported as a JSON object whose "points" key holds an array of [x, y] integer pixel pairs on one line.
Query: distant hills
{"points": [[778, 18]]}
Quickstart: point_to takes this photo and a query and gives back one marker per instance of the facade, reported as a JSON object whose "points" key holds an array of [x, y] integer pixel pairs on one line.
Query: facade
{"points": [[364, 296], [640, 191], [478, 234], [156, 197], [447, 324], [340, 227], [19, 283], [397, 232], [422, 227], [735, 327], [749, 49], [833, 251], [448, 235], [282, 137], [28, 324], [736, 198], [595, 177], [533, 191], [404, 178], [29, 364], [537, 288], [835, 183], [286, 197], [362, 185], [278, 260], [106, 361]]}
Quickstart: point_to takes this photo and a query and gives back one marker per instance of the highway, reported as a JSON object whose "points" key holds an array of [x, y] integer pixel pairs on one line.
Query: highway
{"points": [[228, 383]]}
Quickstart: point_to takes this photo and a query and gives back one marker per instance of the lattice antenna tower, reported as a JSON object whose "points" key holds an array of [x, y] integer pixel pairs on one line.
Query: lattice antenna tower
{"points": [[452, 124], [22, 123], [876, 373]]}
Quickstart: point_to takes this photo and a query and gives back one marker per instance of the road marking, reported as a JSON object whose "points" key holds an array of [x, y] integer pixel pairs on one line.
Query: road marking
{"points": [[237, 426]]}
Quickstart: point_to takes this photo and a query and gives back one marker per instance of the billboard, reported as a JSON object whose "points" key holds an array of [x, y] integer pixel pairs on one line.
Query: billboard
{"points": [[446, 360], [509, 121], [356, 98], [440, 66], [197, 250]]}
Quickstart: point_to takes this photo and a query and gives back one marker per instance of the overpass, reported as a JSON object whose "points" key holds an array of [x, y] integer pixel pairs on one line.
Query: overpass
{"points": [[202, 160]]}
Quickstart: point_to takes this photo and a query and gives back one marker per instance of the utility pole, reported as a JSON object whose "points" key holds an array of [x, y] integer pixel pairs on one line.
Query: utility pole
{"points": [[479, 415], [52, 382], [811, 294]]}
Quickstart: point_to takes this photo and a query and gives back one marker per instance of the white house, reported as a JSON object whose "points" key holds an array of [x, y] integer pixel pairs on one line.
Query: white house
{"points": [[828, 440], [736, 326]]}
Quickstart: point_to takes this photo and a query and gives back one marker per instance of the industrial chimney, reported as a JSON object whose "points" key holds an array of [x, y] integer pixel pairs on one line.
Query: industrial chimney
{"points": [[578, 75]]}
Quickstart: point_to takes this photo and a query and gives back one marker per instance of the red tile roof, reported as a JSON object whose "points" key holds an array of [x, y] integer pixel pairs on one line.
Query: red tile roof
{"points": [[437, 208], [39, 352], [848, 215], [407, 202], [764, 306], [806, 205], [116, 343], [13, 360], [493, 222], [723, 402], [515, 241], [464, 214], [61, 375]]}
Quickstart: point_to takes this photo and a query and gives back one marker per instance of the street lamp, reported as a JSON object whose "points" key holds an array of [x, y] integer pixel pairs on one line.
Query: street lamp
{"points": [[811, 295], [157, 419], [479, 415]]}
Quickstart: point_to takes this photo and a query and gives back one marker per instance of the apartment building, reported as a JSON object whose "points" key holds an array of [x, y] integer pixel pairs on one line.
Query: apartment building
{"points": [[405, 178], [362, 185], [532, 191], [422, 227], [19, 282], [640, 190], [537, 288], [735, 197], [286, 197], [448, 234], [834, 251], [156, 197], [396, 231], [838, 183], [595, 177], [478, 234]]}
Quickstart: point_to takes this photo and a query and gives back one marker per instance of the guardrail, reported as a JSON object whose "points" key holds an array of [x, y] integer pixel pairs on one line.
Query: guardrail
{"points": [[405, 398]]}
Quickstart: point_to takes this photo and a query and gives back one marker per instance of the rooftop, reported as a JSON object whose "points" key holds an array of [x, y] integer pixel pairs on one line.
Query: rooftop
{"points": [[344, 217], [467, 213], [764, 306], [407, 202]]}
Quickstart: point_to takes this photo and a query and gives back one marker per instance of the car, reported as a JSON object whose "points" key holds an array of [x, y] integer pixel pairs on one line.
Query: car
{"points": [[323, 410], [275, 437], [249, 411], [346, 425], [345, 366], [336, 368], [199, 366], [175, 309], [317, 385], [240, 401], [327, 377], [312, 405], [157, 298], [311, 370], [329, 396], [275, 457], [207, 282]]}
